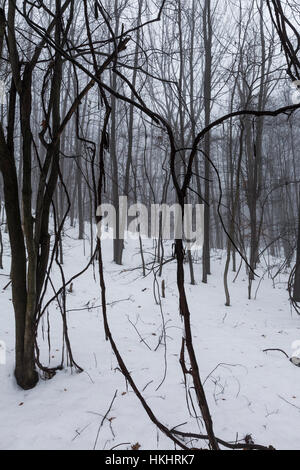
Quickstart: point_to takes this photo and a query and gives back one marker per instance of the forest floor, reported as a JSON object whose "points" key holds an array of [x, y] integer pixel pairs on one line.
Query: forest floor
{"points": [[249, 392]]}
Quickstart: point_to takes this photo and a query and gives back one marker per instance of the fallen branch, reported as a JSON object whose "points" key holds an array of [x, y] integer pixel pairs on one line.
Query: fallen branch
{"points": [[104, 418], [280, 350]]}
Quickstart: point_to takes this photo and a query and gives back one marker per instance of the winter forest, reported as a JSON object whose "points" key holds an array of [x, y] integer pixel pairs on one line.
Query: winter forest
{"points": [[117, 334]]}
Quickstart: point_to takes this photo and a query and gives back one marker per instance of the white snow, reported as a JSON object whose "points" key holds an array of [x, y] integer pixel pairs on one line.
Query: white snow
{"points": [[249, 392]]}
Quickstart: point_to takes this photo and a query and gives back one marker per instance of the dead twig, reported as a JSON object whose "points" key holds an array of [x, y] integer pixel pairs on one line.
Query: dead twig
{"points": [[280, 350], [104, 418]]}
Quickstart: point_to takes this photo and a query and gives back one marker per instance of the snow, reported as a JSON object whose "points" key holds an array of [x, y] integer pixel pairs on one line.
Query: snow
{"points": [[249, 392]]}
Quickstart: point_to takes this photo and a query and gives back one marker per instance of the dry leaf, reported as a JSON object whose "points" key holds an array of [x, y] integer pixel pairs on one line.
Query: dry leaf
{"points": [[136, 446]]}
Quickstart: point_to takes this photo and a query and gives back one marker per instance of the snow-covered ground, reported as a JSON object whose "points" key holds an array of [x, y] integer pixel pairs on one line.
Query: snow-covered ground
{"points": [[249, 392]]}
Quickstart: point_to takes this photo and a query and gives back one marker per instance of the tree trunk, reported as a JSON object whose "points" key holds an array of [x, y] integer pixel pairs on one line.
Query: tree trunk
{"points": [[207, 29], [296, 290]]}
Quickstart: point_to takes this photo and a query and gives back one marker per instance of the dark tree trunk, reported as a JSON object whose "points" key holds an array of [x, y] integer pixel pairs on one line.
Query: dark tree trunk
{"points": [[296, 290], [207, 29]]}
